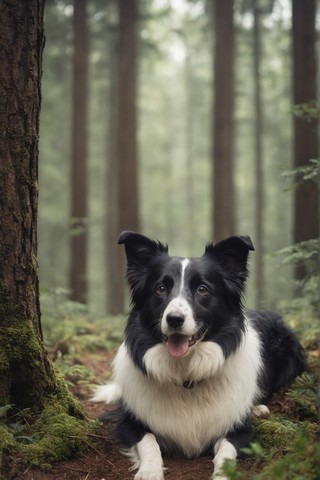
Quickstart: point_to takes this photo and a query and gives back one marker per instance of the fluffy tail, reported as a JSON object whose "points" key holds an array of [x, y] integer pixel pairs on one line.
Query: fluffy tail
{"points": [[110, 393]]}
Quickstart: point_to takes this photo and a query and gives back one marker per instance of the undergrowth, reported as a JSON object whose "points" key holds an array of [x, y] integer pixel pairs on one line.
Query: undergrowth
{"points": [[61, 429]]}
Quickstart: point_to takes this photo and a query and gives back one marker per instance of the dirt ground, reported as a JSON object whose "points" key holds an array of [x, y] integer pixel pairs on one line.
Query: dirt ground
{"points": [[100, 459]]}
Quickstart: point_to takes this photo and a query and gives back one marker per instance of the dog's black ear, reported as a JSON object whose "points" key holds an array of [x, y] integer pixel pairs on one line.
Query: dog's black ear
{"points": [[232, 253], [140, 252], [140, 249]]}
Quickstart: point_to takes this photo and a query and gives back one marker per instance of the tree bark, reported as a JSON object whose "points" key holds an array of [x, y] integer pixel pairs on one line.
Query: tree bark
{"points": [[127, 116], [26, 376], [306, 202], [79, 210], [126, 134], [223, 121]]}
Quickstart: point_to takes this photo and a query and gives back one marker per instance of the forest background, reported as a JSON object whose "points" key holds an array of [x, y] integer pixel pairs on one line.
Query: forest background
{"points": [[174, 97], [188, 121]]}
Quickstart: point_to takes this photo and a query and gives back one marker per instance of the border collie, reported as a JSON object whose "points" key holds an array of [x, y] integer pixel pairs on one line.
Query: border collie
{"points": [[194, 364]]}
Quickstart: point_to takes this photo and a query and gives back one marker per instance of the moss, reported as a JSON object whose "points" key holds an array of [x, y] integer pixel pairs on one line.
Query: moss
{"points": [[25, 372], [56, 435], [6, 438], [54, 426], [62, 401], [280, 433]]}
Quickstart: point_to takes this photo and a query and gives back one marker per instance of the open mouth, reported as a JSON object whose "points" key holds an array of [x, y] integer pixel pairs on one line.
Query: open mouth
{"points": [[178, 345]]}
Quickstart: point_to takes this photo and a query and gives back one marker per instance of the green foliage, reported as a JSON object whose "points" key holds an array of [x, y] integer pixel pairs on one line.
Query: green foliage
{"points": [[69, 329], [305, 173], [301, 462], [307, 111], [305, 254], [305, 393]]}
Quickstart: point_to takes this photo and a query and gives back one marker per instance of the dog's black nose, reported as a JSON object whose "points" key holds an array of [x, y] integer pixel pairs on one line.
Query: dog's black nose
{"points": [[175, 321]]}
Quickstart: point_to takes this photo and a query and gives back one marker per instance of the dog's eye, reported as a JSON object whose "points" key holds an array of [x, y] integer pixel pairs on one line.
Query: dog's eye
{"points": [[161, 289], [202, 290]]}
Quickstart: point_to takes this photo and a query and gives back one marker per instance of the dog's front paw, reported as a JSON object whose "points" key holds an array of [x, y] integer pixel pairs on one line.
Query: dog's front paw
{"points": [[219, 476], [149, 475]]}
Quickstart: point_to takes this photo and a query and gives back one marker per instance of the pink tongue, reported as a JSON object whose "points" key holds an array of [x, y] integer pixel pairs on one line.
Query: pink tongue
{"points": [[177, 345]]}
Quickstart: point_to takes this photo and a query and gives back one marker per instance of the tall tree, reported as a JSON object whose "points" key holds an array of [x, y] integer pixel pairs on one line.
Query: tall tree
{"points": [[26, 375], [223, 121], [306, 211], [126, 129], [79, 210], [115, 289], [258, 131]]}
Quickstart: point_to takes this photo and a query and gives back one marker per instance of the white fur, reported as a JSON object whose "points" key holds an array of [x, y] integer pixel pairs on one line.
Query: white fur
{"points": [[181, 307], [260, 411], [223, 393], [224, 450], [204, 360], [110, 393], [184, 264], [148, 459]]}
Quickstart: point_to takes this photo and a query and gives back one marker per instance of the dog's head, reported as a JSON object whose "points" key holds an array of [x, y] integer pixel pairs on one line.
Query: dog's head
{"points": [[185, 300]]}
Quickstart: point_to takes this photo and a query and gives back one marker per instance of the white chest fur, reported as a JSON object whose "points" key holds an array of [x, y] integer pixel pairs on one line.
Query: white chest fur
{"points": [[223, 392]]}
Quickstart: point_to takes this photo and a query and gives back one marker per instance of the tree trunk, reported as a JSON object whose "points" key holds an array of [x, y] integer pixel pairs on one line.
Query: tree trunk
{"points": [[223, 121], [258, 129], [127, 171], [26, 376], [115, 287], [79, 211], [306, 208]]}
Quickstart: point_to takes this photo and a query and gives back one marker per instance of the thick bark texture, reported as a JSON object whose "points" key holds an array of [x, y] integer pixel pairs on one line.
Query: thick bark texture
{"points": [[25, 373]]}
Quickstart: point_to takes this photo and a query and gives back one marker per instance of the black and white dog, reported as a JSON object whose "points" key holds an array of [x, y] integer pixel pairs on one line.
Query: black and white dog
{"points": [[194, 364]]}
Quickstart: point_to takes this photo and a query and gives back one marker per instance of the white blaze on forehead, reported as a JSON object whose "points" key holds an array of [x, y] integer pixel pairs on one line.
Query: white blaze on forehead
{"points": [[184, 264], [180, 306]]}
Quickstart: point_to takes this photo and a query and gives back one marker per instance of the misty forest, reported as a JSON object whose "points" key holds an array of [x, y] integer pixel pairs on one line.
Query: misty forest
{"points": [[187, 121]]}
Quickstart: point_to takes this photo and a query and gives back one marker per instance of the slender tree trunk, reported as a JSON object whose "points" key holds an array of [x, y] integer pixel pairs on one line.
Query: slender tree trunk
{"points": [[306, 207], [258, 130], [26, 376], [223, 120], [190, 115], [79, 211], [115, 289], [127, 176], [127, 116]]}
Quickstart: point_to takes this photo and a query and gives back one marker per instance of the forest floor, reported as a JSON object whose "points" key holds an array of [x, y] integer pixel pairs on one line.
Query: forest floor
{"points": [[100, 458], [83, 350]]}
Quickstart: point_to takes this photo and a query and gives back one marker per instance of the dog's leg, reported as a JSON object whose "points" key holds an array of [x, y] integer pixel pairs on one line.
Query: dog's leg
{"points": [[224, 450], [150, 460]]}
